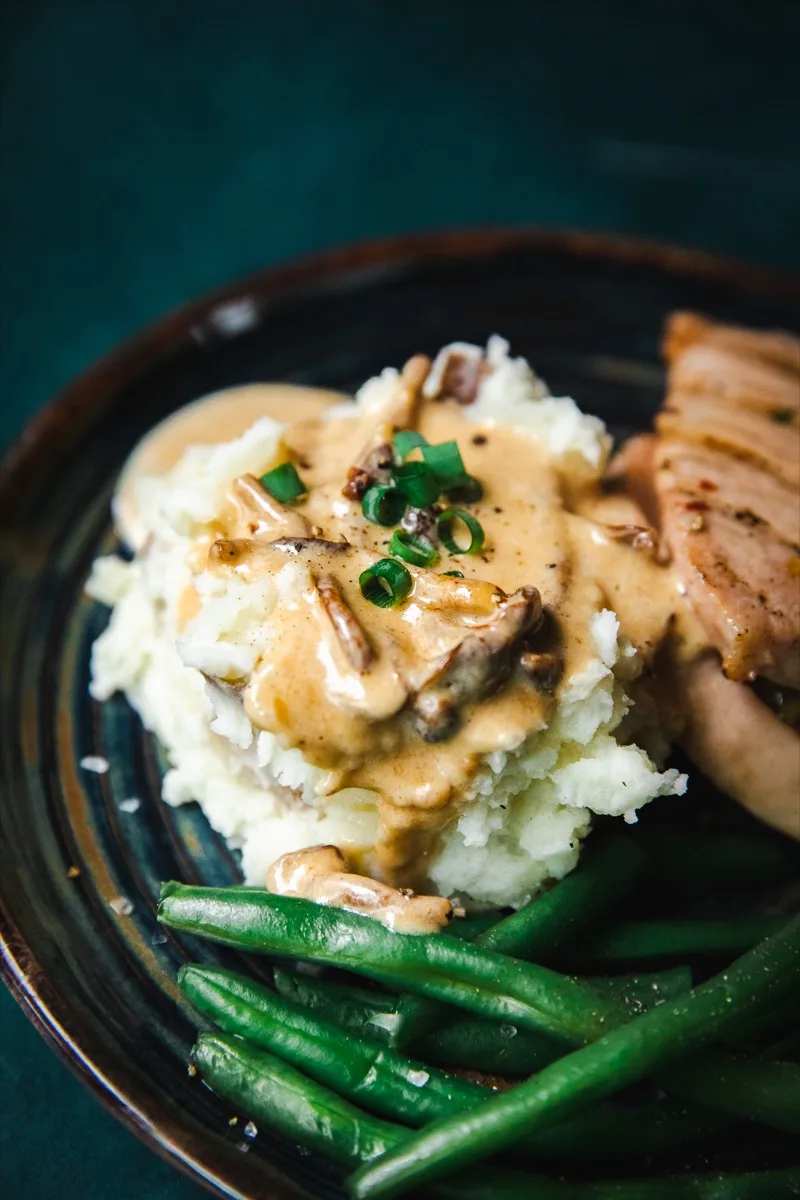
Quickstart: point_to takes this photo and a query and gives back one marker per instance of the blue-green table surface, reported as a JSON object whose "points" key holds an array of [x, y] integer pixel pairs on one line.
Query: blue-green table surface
{"points": [[151, 151]]}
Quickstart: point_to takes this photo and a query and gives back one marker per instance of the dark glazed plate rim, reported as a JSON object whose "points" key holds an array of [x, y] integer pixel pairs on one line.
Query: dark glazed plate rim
{"points": [[355, 265]]}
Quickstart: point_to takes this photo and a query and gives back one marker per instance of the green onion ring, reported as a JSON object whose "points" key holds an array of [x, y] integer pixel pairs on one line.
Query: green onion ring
{"points": [[467, 492], [444, 526], [385, 583], [446, 463], [407, 440], [283, 483], [418, 483], [383, 505], [415, 550]]}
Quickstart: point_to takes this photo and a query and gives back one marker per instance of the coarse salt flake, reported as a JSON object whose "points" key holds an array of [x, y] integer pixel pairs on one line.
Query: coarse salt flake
{"points": [[418, 1078], [94, 762]]}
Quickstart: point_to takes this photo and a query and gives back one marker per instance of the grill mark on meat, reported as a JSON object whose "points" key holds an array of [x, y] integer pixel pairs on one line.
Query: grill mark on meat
{"points": [[723, 459]]}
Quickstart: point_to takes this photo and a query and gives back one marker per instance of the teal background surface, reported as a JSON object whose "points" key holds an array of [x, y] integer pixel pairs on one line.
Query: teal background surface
{"points": [[151, 151]]}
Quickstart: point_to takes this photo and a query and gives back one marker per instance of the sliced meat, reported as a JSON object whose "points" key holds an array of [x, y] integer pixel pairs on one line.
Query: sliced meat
{"points": [[726, 474], [731, 375], [633, 465], [685, 329], [741, 744], [703, 473], [736, 568], [735, 429]]}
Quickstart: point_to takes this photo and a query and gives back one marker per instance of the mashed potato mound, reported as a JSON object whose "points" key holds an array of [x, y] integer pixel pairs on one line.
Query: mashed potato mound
{"points": [[520, 821]]}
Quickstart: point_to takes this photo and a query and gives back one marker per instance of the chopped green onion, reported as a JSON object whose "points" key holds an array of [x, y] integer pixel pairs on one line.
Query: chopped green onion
{"points": [[445, 523], [383, 505], [418, 483], [283, 483], [468, 492], [454, 574], [385, 583], [447, 464], [407, 440], [414, 550]]}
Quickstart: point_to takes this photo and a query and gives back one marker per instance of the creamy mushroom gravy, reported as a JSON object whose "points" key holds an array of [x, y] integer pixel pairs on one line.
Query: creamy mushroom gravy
{"points": [[346, 701]]}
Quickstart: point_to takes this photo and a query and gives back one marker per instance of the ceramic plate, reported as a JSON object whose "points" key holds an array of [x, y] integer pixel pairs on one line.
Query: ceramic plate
{"points": [[80, 874]]}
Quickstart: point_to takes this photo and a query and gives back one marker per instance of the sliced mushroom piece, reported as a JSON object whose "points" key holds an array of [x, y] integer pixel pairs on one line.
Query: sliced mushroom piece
{"points": [[351, 636], [476, 667], [639, 537], [238, 552], [457, 373], [412, 379], [320, 873], [373, 466], [544, 670], [374, 463], [271, 515], [301, 545], [471, 598]]}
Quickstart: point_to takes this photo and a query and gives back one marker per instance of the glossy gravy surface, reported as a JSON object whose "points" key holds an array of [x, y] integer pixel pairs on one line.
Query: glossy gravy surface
{"points": [[350, 713]]}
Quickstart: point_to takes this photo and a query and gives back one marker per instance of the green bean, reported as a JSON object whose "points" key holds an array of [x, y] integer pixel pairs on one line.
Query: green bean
{"points": [[580, 901], [632, 942], [270, 1091], [504, 1049], [443, 968], [788, 1047], [641, 991], [753, 1185], [371, 1075], [398, 1088], [466, 929], [369, 1013], [715, 860], [583, 1078], [475, 1045], [532, 997], [617, 1133], [758, 1090], [762, 1028], [281, 1098], [464, 1041]]}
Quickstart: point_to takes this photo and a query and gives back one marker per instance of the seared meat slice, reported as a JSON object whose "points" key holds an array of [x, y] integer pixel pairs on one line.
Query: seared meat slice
{"points": [[741, 744], [741, 432], [686, 329], [705, 474], [727, 470]]}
